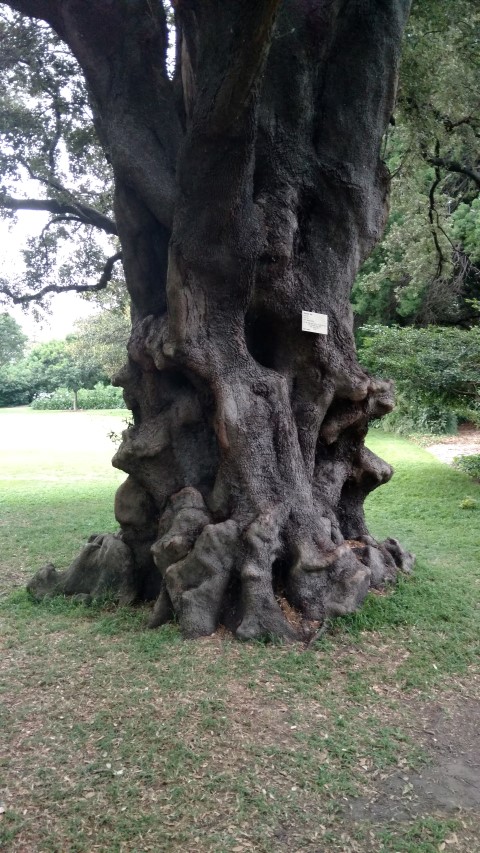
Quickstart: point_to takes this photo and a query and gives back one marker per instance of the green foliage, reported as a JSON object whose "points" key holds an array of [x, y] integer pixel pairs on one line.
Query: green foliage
{"points": [[55, 364], [103, 338], [49, 149], [14, 386], [466, 228], [436, 371], [411, 417], [59, 400], [99, 397], [12, 340], [469, 465], [468, 503], [47, 367], [426, 269], [85, 360]]}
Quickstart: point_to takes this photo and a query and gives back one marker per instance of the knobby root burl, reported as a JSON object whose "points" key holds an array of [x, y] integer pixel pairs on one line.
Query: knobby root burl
{"points": [[227, 516]]}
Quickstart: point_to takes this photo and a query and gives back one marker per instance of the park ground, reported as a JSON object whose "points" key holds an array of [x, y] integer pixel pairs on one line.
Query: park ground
{"points": [[116, 738]]}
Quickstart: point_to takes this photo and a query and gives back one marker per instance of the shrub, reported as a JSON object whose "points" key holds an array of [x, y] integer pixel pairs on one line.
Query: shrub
{"points": [[409, 418], [469, 465], [468, 503], [61, 399], [436, 372], [100, 397], [14, 390]]}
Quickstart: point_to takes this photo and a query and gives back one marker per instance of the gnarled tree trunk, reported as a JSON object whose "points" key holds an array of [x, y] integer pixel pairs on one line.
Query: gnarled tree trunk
{"points": [[248, 189]]}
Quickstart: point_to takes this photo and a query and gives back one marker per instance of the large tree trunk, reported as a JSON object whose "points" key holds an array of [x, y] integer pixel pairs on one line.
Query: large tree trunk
{"points": [[247, 465]]}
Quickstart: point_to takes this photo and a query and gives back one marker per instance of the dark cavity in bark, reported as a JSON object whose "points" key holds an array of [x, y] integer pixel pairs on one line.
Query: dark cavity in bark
{"points": [[247, 468]]}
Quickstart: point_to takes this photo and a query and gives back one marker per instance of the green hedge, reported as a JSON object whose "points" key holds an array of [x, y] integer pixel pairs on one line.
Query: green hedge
{"points": [[100, 397], [436, 372]]}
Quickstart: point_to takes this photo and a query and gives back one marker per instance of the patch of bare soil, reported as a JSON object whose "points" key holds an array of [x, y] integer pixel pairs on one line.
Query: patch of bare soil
{"points": [[465, 443], [10, 578], [449, 783]]}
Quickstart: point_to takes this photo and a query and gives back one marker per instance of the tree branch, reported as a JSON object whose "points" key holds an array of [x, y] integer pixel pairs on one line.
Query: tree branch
{"points": [[97, 31], [82, 212], [56, 136], [452, 125], [222, 100], [48, 182], [45, 10], [78, 288], [432, 213], [454, 166]]}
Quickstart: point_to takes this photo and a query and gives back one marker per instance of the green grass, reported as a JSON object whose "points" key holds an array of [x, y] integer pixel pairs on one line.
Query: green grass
{"points": [[56, 483], [422, 506], [123, 739]]}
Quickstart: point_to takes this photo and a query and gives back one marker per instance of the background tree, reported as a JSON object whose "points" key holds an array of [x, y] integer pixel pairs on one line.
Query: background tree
{"points": [[12, 340], [47, 367], [59, 364], [248, 186], [426, 270], [104, 335], [13, 389]]}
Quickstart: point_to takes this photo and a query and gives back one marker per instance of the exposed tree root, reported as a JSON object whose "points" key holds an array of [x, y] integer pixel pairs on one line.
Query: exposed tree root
{"points": [[198, 562]]}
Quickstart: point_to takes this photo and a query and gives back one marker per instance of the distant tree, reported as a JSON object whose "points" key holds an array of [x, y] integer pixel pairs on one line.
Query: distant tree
{"points": [[13, 383], [12, 340], [103, 336], [59, 364]]}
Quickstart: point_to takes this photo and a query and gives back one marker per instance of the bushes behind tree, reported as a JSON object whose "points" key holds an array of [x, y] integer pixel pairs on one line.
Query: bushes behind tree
{"points": [[14, 386], [436, 372], [47, 370], [99, 397]]}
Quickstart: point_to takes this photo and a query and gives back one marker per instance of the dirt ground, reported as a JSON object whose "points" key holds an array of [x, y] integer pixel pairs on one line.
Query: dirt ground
{"points": [[465, 443], [447, 728]]}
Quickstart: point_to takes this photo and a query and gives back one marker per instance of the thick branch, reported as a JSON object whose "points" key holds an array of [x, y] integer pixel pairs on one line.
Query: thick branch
{"points": [[452, 125], [432, 213], [249, 52], [78, 288], [455, 166], [121, 49], [45, 10], [82, 212]]}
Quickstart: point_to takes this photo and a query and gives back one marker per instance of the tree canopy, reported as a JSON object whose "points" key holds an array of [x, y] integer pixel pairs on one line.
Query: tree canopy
{"points": [[51, 162]]}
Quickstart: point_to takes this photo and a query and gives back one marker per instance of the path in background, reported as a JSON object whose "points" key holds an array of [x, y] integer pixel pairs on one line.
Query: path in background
{"points": [[465, 443]]}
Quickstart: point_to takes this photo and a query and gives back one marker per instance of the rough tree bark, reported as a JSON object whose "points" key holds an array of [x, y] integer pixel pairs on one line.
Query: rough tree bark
{"points": [[248, 188]]}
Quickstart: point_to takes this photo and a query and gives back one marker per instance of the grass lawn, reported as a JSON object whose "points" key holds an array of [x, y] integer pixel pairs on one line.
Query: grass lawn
{"points": [[114, 738]]}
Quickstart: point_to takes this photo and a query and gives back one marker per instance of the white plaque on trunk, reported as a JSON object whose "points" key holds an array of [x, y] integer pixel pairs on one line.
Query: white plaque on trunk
{"points": [[313, 322]]}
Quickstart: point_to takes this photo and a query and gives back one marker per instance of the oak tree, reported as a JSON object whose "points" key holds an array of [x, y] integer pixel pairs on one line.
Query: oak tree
{"points": [[248, 187]]}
